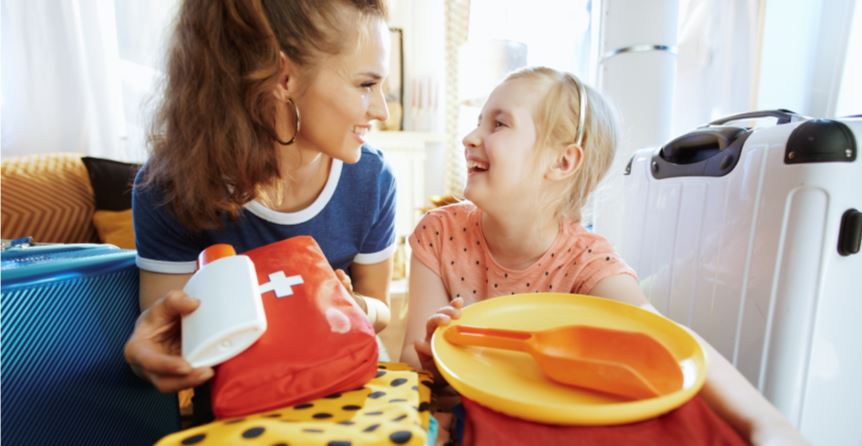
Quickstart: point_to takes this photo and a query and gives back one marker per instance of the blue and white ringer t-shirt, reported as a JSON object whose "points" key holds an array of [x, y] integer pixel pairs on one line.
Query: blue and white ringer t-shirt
{"points": [[353, 220]]}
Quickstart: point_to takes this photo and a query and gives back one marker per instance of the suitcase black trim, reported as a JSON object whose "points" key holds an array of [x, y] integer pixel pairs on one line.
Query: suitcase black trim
{"points": [[708, 152], [820, 141]]}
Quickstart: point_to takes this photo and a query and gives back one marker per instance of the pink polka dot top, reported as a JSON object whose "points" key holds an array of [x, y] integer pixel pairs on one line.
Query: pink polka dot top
{"points": [[449, 241]]}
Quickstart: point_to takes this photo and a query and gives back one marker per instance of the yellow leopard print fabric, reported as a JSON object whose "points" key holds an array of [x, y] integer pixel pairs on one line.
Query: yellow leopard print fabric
{"points": [[391, 409]]}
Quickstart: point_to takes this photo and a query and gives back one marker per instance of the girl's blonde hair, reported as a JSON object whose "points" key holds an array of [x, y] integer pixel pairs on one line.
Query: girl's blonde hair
{"points": [[557, 118]]}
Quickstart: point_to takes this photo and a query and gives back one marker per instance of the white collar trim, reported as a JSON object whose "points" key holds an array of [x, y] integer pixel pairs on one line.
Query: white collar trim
{"points": [[302, 215]]}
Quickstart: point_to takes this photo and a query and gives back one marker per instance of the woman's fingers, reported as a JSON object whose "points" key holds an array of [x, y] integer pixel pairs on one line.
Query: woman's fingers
{"points": [[155, 358], [167, 311], [171, 383], [345, 279]]}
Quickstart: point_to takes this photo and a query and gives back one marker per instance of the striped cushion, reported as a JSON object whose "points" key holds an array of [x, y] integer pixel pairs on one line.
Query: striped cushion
{"points": [[48, 197]]}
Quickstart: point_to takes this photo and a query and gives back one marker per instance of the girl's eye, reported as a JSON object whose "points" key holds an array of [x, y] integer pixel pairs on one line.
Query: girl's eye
{"points": [[368, 84], [499, 124]]}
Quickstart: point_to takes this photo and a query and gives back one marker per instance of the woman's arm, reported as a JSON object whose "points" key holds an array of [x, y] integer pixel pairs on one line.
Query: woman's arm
{"points": [[153, 349], [427, 295], [154, 286], [372, 281], [726, 390]]}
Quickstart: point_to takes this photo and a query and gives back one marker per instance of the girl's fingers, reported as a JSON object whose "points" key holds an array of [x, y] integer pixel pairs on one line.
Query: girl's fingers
{"points": [[435, 321], [422, 348], [457, 302], [450, 311]]}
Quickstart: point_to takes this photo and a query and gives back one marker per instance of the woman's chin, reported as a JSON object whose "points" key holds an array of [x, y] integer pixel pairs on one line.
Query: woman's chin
{"points": [[350, 155]]}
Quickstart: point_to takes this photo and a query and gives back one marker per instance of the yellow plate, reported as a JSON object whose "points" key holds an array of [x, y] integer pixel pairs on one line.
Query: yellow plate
{"points": [[512, 383]]}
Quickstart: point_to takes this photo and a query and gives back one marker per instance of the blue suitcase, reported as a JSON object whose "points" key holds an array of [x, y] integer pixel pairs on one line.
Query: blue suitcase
{"points": [[67, 311]]}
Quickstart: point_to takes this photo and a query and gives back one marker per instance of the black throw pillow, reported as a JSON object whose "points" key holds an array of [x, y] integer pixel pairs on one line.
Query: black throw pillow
{"points": [[112, 182]]}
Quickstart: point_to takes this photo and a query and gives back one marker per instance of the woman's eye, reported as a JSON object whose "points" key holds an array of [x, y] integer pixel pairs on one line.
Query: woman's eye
{"points": [[368, 84], [499, 124]]}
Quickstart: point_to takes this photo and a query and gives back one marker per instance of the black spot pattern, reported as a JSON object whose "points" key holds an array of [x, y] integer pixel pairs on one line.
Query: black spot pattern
{"points": [[400, 437], [253, 432], [194, 439]]}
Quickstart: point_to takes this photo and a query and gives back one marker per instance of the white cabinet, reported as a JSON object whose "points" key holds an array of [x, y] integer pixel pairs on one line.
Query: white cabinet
{"points": [[409, 154]]}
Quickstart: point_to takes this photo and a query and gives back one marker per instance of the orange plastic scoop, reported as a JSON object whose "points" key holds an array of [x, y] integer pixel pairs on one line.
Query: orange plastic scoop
{"points": [[623, 363]]}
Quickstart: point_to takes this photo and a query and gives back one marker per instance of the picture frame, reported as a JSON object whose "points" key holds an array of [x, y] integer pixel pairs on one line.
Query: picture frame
{"points": [[393, 86]]}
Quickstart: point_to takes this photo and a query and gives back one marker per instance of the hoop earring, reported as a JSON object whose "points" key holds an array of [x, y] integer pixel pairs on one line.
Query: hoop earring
{"points": [[298, 123]]}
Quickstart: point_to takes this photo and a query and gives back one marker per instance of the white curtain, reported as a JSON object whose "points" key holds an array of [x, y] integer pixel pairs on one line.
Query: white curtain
{"points": [[717, 65], [61, 91]]}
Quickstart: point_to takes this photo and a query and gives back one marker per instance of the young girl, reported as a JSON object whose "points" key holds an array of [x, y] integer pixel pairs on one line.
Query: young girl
{"points": [[542, 143]]}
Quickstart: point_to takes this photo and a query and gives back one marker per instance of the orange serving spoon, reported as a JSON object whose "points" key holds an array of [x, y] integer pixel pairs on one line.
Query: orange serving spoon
{"points": [[622, 363]]}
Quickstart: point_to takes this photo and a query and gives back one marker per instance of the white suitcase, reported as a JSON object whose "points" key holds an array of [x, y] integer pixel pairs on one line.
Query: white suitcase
{"points": [[751, 238]]}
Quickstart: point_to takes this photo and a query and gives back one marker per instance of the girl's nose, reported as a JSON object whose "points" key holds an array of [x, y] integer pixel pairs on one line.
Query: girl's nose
{"points": [[472, 139], [377, 108]]}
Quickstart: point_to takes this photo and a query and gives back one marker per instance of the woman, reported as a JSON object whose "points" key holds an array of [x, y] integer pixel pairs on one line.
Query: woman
{"points": [[259, 138]]}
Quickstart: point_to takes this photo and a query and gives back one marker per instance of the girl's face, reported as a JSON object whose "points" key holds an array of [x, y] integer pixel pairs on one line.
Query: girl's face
{"points": [[344, 95], [501, 167]]}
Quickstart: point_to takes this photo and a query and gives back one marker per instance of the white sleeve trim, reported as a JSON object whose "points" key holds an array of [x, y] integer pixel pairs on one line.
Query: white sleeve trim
{"points": [[163, 266], [375, 257]]}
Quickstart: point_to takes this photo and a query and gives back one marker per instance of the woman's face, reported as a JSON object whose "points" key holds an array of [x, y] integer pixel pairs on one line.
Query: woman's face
{"points": [[345, 94], [499, 152]]}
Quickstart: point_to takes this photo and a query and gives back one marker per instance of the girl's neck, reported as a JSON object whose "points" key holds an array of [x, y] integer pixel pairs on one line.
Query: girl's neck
{"points": [[516, 243]]}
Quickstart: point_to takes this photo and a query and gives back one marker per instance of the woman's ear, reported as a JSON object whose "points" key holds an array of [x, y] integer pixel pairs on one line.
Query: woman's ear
{"points": [[287, 78], [566, 163]]}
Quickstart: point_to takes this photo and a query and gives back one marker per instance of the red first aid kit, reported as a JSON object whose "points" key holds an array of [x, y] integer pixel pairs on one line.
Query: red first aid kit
{"points": [[317, 340]]}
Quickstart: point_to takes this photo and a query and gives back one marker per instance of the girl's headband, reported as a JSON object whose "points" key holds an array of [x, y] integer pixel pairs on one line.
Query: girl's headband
{"points": [[582, 114]]}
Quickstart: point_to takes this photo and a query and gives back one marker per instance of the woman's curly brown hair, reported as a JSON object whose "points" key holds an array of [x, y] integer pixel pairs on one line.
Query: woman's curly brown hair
{"points": [[212, 138]]}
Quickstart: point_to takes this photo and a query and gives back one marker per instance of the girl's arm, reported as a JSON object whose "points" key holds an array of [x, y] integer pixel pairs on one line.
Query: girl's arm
{"points": [[726, 390], [427, 295], [371, 281]]}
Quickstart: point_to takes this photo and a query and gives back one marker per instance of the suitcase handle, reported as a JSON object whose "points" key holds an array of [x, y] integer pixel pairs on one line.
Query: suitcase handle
{"points": [[699, 145], [783, 115]]}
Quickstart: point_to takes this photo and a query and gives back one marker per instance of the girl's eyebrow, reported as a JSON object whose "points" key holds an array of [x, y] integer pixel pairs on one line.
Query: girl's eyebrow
{"points": [[497, 112], [372, 75]]}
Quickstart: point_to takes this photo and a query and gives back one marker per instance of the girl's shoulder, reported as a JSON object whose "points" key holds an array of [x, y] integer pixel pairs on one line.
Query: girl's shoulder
{"points": [[448, 218], [454, 212], [582, 239]]}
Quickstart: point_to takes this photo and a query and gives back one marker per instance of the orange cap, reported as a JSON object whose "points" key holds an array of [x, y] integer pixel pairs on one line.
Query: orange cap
{"points": [[213, 253]]}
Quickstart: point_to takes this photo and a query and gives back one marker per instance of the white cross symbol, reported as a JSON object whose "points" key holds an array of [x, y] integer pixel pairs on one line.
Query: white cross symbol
{"points": [[280, 284]]}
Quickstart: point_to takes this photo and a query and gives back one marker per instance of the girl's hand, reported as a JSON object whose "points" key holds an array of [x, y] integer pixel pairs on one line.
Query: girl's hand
{"points": [[153, 349], [423, 348]]}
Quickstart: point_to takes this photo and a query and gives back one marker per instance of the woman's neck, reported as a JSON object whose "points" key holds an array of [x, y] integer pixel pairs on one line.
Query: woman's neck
{"points": [[516, 243], [304, 174]]}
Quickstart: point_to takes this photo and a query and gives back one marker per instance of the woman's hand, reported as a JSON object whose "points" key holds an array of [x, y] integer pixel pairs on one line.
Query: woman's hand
{"points": [[348, 283], [378, 313], [153, 349], [423, 348]]}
